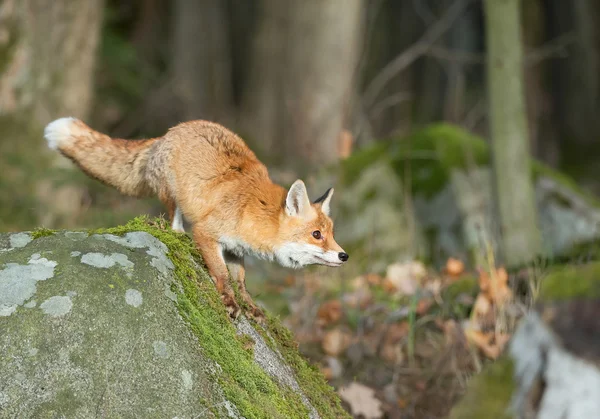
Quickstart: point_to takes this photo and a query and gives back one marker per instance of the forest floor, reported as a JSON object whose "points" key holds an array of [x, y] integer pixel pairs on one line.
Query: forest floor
{"points": [[403, 344]]}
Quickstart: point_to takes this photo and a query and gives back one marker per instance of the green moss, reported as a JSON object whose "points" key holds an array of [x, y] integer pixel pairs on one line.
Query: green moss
{"points": [[540, 169], [571, 281], [42, 232], [432, 153], [247, 343], [245, 384], [464, 285], [321, 395], [488, 393]]}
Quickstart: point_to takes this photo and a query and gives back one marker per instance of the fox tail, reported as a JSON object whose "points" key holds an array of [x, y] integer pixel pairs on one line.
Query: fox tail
{"points": [[115, 162]]}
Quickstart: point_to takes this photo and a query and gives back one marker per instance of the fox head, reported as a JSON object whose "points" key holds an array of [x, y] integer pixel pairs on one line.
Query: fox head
{"points": [[307, 231]]}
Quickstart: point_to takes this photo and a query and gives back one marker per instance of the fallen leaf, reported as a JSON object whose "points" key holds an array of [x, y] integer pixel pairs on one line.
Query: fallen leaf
{"points": [[360, 298], [397, 331], [482, 305], [358, 283], [420, 385], [391, 353], [434, 286], [335, 342], [362, 400], [423, 306], [454, 267], [495, 287], [374, 279], [389, 286], [406, 276], [491, 345], [330, 312]]}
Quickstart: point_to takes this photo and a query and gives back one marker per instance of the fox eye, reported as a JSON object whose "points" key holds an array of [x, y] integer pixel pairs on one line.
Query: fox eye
{"points": [[316, 234]]}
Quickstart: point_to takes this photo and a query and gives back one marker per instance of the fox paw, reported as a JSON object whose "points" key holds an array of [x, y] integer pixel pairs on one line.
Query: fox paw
{"points": [[256, 314], [231, 305]]}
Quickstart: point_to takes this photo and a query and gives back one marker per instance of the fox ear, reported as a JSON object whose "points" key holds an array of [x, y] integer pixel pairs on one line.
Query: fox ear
{"points": [[297, 203], [325, 200]]}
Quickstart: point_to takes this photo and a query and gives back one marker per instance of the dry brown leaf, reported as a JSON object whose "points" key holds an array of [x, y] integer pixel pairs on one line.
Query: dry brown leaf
{"points": [[391, 353], [362, 400], [374, 279], [491, 345], [397, 331], [454, 267], [330, 312], [388, 286], [335, 342], [495, 287], [423, 306]]}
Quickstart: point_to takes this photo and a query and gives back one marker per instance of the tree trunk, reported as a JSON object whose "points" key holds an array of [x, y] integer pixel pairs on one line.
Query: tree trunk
{"points": [[47, 58], [542, 123], [260, 114], [306, 54], [201, 63], [577, 79], [514, 188]]}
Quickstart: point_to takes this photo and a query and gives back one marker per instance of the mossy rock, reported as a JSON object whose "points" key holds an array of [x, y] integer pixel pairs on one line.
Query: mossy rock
{"points": [[125, 322], [489, 393], [562, 326], [571, 282], [428, 196]]}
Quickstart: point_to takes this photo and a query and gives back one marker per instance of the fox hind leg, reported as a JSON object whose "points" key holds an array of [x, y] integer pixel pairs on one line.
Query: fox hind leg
{"points": [[177, 221], [174, 213], [238, 272]]}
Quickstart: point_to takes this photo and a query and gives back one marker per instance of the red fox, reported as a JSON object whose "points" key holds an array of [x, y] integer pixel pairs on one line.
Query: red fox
{"points": [[202, 171]]}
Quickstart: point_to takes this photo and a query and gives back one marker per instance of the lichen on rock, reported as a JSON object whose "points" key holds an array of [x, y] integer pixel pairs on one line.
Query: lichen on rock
{"points": [[148, 339]]}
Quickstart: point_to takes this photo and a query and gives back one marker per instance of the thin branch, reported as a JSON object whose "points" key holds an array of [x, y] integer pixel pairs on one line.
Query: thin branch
{"points": [[555, 48], [414, 51], [388, 102]]}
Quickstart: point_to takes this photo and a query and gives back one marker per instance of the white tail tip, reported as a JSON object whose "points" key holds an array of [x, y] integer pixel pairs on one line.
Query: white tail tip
{"points": [[58, 132]]}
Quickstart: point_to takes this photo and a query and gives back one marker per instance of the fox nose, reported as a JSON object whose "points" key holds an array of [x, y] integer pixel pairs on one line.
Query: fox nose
{"points": [[343, 256]]}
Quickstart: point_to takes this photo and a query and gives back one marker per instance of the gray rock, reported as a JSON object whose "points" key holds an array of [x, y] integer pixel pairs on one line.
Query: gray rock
{"points": [[79, 337]]}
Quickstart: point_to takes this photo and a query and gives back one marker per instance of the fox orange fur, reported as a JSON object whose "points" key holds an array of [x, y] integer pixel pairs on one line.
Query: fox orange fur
{"points": [[202, 171]]}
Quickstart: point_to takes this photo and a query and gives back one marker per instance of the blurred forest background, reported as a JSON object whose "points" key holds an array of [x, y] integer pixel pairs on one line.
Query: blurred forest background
{"points": [[316, 87]]}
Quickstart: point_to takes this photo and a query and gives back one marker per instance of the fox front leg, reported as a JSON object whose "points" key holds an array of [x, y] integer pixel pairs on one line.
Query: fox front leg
{"points": [[213, 257], [238, 273]]}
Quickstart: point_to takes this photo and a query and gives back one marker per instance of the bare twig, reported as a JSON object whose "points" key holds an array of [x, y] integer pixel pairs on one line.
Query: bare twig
{"points": [[388, 102], [413, 52], [555, 48]]}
